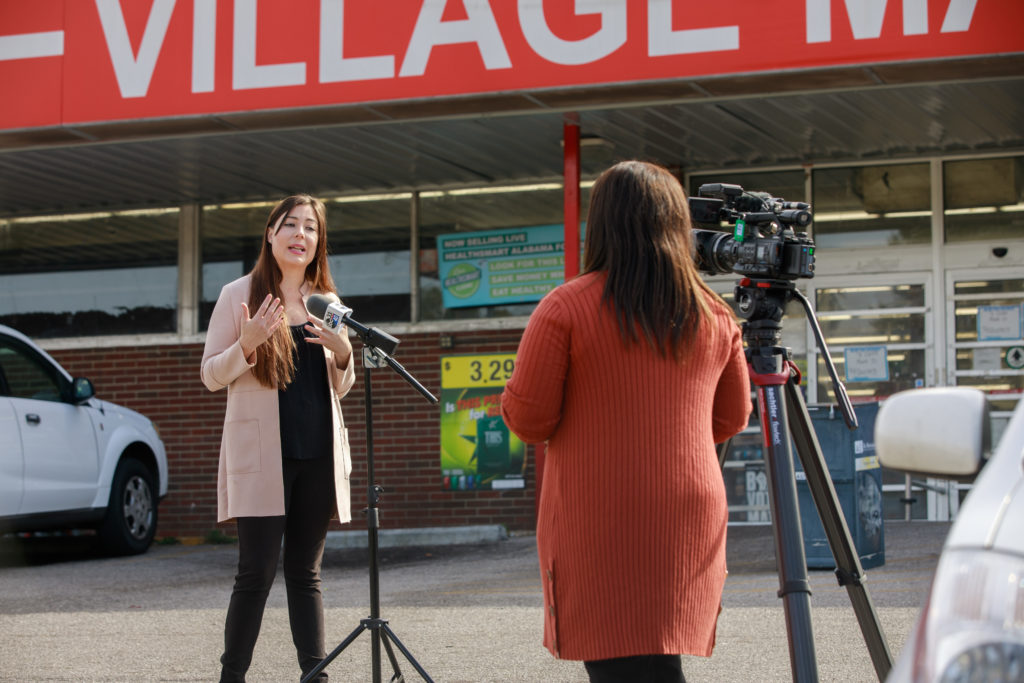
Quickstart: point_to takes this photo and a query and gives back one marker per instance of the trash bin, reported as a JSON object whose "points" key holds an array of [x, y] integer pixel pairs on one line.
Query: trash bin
{"points": [[857, 477]]}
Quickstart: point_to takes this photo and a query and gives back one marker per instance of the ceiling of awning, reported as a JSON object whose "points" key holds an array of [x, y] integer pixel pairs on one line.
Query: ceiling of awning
{"points": [[845, 115]]}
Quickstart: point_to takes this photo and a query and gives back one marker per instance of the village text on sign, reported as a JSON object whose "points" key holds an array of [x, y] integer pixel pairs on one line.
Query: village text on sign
{"points": [[71, 62]]}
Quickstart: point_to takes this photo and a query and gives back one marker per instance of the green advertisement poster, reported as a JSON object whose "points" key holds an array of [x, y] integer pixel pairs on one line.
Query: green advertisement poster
{"points": [[477, 450]]}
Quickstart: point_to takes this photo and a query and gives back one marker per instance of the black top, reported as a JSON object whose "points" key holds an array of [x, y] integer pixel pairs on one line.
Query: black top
{"points": [[304, 405]]}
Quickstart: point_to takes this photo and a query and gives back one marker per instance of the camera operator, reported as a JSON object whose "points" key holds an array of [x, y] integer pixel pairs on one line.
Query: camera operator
{"points": [[631, 372]]}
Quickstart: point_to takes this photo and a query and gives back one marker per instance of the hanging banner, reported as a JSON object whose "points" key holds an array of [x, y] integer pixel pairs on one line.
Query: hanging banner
{"points": [[497, 267], [73, 62], [477, 450]]}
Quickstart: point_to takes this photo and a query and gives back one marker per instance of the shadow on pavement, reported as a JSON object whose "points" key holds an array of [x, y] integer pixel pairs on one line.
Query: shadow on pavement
{"points": [[36, 550]]}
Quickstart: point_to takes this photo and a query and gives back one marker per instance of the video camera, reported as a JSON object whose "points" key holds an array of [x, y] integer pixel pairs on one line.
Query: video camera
{"points": [[763, 243]]}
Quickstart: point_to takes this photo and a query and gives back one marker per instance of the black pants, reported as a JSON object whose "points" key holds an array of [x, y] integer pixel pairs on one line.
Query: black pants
{"points": [[309, 502], [639, 669]]}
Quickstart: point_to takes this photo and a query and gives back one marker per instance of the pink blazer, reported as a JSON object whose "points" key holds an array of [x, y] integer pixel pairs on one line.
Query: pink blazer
{"points": [[249, 480]]}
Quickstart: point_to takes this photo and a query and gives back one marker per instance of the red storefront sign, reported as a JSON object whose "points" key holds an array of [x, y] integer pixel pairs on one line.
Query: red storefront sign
{"points": [[80, 61]]}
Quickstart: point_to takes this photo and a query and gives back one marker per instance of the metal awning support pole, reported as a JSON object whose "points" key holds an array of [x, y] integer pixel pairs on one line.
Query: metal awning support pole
{"points": [[571, 180], [571, 175]]}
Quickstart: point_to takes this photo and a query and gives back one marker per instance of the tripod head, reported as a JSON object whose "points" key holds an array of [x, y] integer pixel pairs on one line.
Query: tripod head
{"points": [[762, 303], [768, 249]]}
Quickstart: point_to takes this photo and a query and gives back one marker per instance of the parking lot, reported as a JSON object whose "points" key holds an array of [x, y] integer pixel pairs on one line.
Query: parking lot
{"points": [[467, 613]]}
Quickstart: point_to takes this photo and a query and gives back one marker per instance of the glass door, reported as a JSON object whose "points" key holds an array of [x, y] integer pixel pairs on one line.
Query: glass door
{"points": [[879, 332], [986, 341]]}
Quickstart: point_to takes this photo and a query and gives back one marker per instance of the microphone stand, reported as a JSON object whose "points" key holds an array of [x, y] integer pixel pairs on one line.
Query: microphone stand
{"points": [[380, 632]]}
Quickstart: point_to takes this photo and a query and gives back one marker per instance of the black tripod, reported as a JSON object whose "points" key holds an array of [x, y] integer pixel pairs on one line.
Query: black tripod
{"points": [[762, 303], [374, 357]]}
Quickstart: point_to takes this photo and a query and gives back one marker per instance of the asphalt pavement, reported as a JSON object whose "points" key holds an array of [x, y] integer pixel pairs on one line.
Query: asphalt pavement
{"points": [[466, 613]]}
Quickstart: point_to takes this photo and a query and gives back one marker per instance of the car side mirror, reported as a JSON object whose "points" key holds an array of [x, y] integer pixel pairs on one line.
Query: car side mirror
{"points": [[937, 431], [81, 390]]}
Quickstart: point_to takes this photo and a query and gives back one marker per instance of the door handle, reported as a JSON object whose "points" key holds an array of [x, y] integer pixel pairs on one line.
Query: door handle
{"points": [[32, 419]]}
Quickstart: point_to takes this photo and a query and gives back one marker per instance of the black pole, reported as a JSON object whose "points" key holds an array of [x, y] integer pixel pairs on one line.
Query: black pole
{"points": [[372, 525], [379, 630]]}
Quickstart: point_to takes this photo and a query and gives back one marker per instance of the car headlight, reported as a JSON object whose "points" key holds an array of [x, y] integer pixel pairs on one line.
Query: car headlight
{"points": [[973, 628]]}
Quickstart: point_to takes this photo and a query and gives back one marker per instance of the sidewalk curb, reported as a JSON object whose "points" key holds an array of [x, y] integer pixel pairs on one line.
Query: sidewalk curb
{"points": [[399, 538]]}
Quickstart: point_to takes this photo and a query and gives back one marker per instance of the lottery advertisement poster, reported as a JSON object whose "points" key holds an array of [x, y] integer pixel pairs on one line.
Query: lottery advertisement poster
{"points": [[477, 450]]}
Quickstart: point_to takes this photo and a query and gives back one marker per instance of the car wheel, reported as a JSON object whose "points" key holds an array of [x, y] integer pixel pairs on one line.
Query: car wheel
{"points": [[130, 523]]}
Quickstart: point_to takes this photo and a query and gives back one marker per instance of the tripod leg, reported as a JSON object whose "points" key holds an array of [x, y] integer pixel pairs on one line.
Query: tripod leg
{"points": [[334, 653], [723, 451], [397, 677], [388, 634], [848, 567], [794, 588]]}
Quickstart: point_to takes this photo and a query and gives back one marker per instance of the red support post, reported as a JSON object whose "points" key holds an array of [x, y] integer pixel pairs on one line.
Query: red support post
{"points": [[571, 174]]}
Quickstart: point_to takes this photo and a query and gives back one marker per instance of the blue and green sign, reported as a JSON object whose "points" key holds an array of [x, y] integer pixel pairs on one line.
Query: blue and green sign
{"points": [[498, 267]]}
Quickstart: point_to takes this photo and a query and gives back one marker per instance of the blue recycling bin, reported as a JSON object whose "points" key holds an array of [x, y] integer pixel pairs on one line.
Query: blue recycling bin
{"points": [[857, 477]]}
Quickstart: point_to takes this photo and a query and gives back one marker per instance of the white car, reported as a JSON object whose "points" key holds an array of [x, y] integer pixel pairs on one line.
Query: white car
{"points": [[972, 626], [69, 460]]}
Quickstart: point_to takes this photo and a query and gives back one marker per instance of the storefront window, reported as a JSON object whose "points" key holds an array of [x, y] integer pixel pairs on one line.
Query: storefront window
{"points": [[368, 252], [984, 199], [509, 212], [90, 274], [231, 239], [872, 206], [369, 255]]}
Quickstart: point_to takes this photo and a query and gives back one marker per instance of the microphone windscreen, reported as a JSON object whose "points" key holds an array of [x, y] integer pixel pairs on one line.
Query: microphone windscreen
{"points": [[317, 305]]}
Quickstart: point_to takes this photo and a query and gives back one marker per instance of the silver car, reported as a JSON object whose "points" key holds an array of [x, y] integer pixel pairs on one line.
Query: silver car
{"points": [[69, 460], [972, 626]]}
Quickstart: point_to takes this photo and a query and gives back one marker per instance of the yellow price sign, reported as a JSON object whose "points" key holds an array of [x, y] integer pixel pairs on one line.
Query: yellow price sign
{"points": [[491, 370]]}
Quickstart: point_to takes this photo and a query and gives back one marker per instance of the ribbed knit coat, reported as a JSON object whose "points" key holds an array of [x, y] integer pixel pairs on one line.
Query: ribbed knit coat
{"points": [[632, 518]]}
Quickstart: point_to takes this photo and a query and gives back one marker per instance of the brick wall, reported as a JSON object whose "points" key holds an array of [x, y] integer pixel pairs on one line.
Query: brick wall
{"points": [[163, 383]]}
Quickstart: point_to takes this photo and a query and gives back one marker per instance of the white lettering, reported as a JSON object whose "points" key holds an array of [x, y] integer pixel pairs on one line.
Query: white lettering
{"points": [[819, 21], [204, 44], [866, 18], [662, 40], [32, 45], [958, 15], [246, 74], [480, 28], [915, 17], [610, 37], [334, 66], [134, 72]]}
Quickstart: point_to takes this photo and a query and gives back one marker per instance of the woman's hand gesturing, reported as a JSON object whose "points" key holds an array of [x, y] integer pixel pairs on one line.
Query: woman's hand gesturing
{"points": [[262, 325]]}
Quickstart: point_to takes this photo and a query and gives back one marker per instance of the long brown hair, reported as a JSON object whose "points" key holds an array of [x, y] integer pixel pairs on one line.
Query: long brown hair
{"points": [[275, 365], [639, 232]]}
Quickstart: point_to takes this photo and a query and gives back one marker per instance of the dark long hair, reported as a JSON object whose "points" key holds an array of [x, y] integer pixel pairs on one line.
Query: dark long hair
{"points": [[639, 232], [275, 365]]}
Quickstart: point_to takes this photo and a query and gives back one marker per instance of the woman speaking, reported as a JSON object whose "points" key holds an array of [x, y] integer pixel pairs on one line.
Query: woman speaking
{"points": [[284, 456]]}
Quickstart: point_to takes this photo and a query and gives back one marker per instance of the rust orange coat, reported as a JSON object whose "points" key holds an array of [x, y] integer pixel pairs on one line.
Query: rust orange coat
{"points": [[632, 519]]}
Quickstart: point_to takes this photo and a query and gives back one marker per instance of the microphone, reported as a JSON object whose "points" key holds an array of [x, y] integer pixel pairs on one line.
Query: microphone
{"points": [[335, 316]]}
